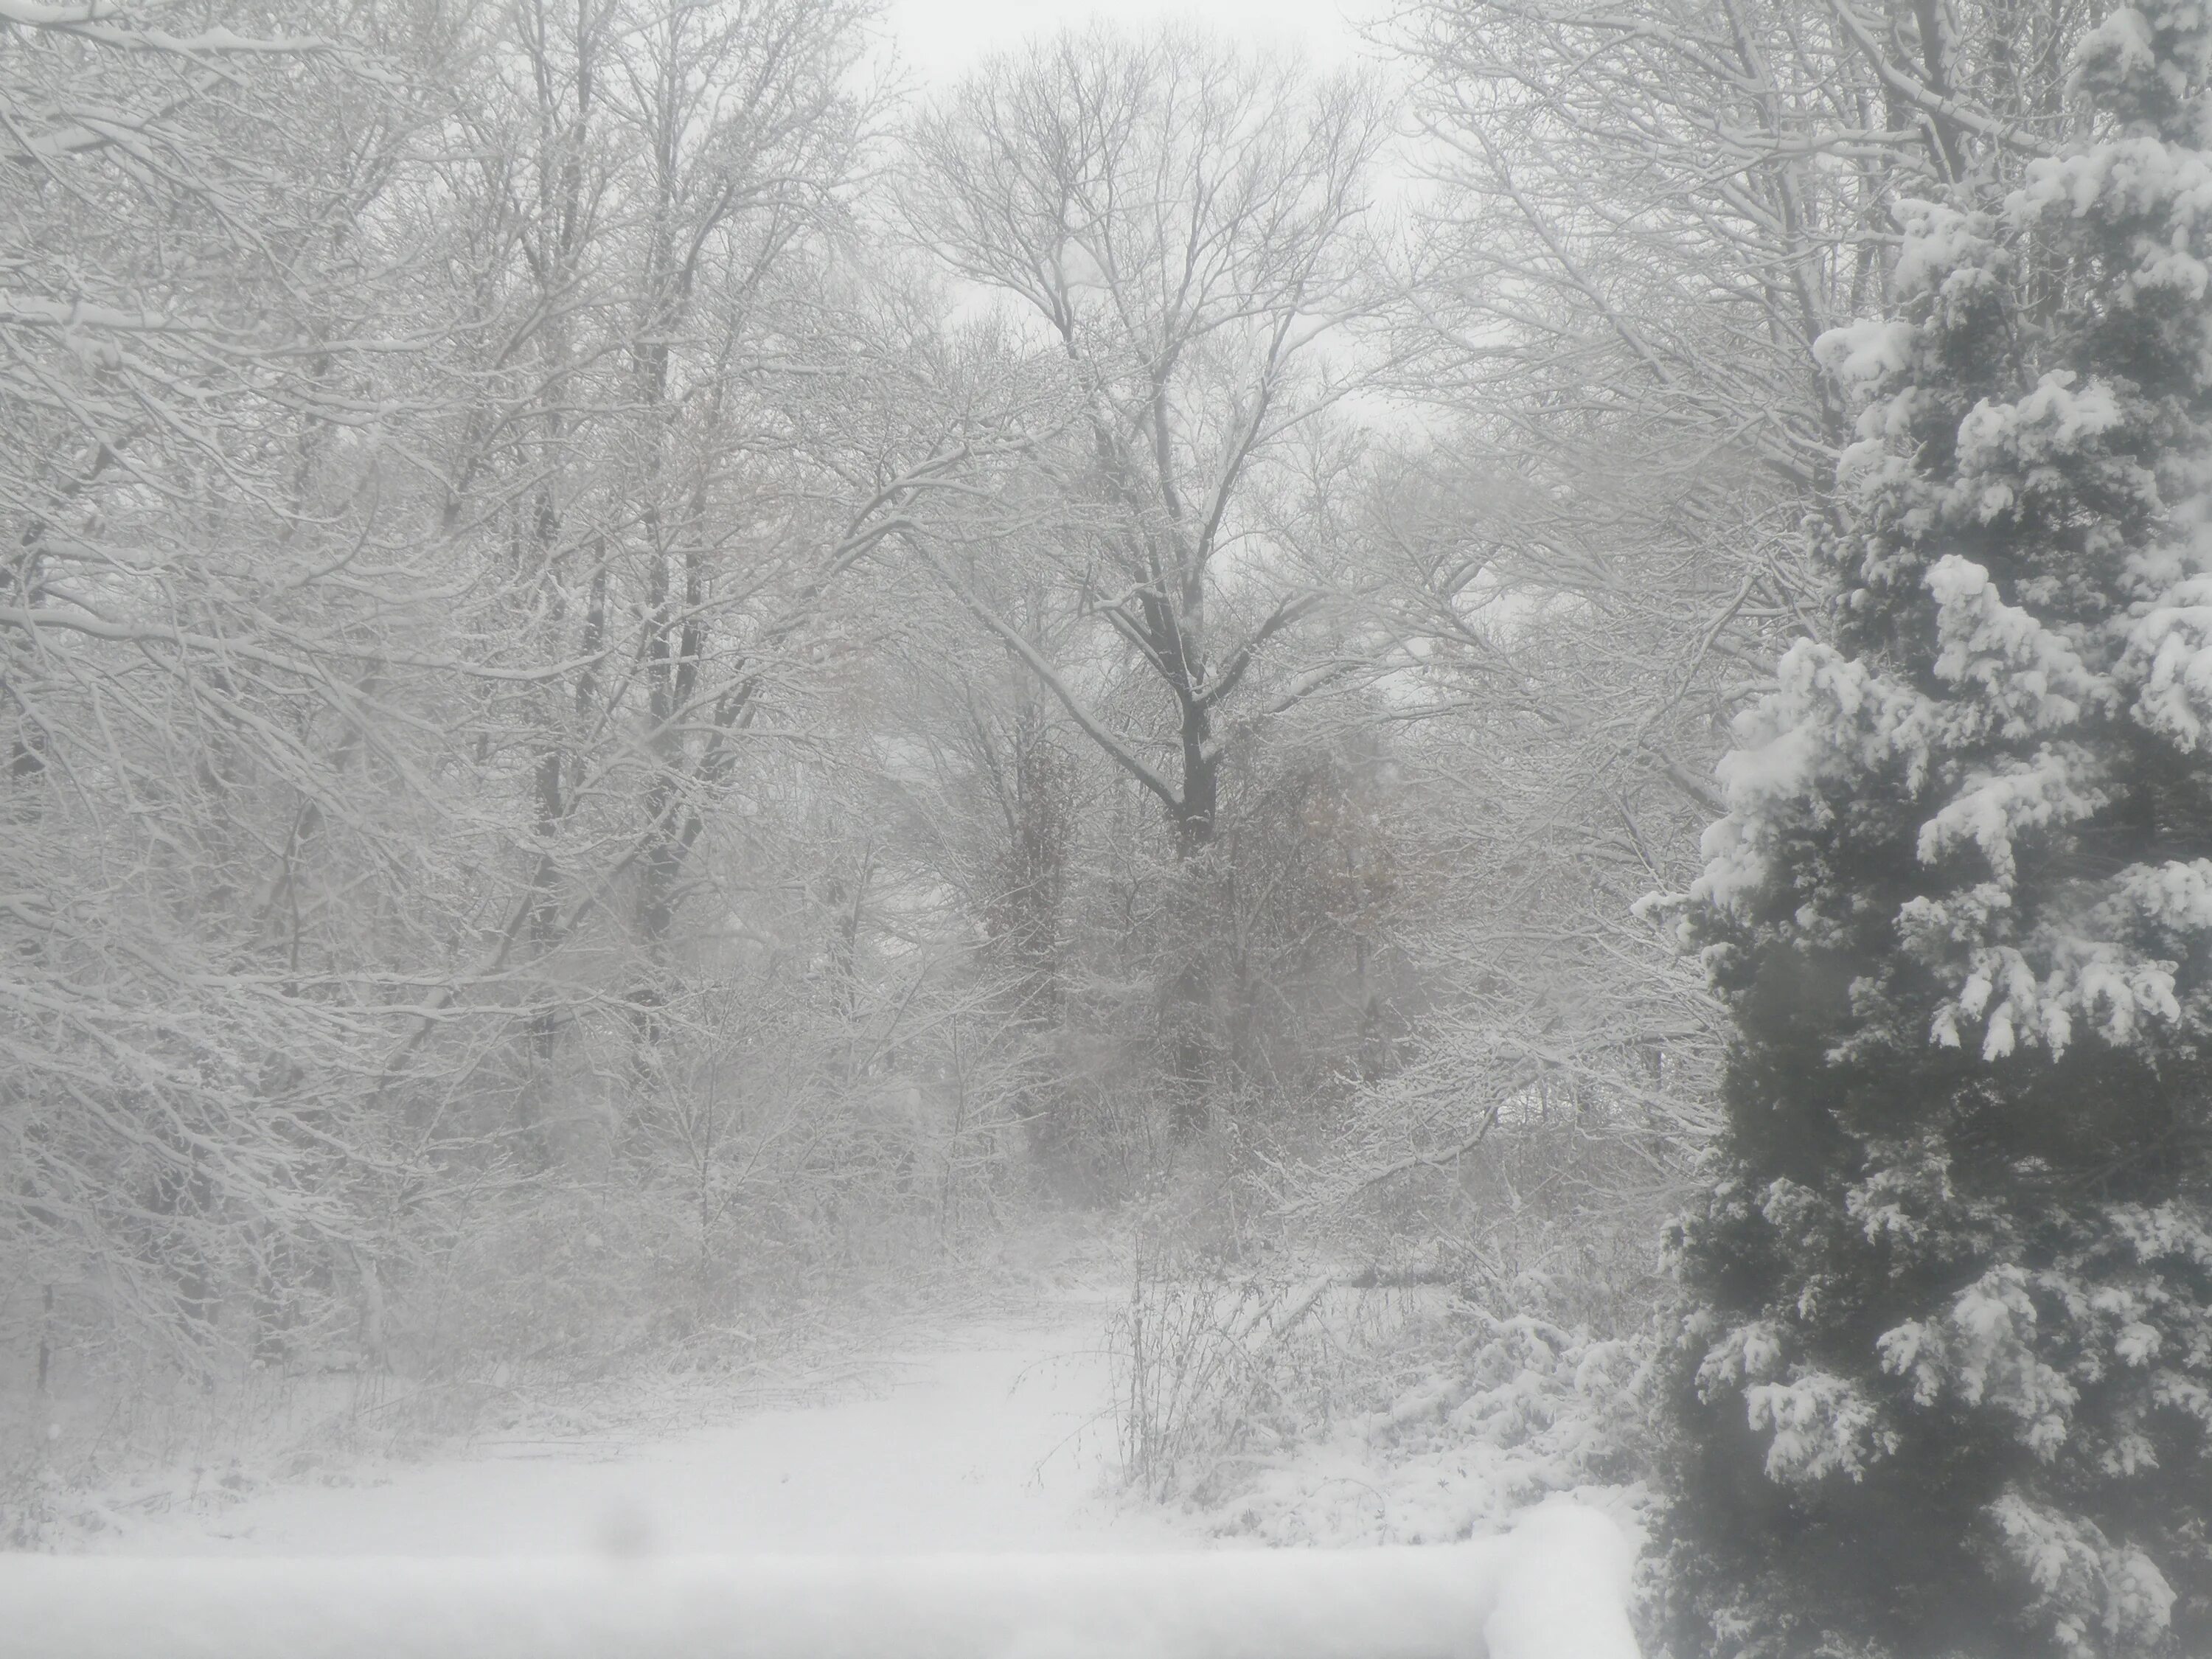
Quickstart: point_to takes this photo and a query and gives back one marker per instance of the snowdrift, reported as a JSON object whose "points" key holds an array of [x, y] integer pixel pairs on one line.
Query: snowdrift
{"points": [[1554, 1589]]}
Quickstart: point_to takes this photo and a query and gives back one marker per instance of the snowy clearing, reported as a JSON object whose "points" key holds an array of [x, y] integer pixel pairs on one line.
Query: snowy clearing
{"points": [[962, 1505], [999, 1439]]}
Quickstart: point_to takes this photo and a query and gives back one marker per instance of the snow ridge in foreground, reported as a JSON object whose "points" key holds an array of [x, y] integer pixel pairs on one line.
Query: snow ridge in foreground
{"points": [[1556, 1588]]}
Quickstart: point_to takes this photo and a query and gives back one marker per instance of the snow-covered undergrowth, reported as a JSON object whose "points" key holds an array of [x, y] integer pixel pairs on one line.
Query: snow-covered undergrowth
{"points": [[1320, 1411], [85, 1466], [194, 1454]]}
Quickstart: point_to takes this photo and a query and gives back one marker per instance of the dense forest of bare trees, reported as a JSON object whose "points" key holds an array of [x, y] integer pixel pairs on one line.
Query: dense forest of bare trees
{"points": [[613, 633]]}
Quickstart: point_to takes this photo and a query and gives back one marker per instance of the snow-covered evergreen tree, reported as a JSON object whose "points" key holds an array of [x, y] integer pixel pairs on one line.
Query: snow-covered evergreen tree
{"points": [[1948, 1386]]}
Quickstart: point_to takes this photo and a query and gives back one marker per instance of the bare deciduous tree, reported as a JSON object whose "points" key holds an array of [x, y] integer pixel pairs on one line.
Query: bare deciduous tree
{"points": [[1185, 230]]}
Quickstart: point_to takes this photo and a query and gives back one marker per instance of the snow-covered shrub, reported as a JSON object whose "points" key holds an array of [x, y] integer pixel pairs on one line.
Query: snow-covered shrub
{"points": [[1459, 1436], [1325, 1411], [1557, 1213], [1948, 1388], [1203, 1360]]}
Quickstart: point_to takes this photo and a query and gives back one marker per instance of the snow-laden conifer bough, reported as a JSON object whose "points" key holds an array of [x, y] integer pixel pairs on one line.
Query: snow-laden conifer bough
{"points": [[1556, 1588], [1947, 1387]]}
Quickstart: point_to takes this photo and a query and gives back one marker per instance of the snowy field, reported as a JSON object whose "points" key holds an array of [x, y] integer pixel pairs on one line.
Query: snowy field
{"points": [[999, 1438], [959, 1497]]}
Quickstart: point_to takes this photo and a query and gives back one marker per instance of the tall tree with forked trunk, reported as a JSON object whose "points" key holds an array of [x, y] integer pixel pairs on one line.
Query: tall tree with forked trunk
{"points": [[1183, 229]]}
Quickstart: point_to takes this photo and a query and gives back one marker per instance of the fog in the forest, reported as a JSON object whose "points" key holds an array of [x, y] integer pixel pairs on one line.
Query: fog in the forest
{"points": [[784, 775]]}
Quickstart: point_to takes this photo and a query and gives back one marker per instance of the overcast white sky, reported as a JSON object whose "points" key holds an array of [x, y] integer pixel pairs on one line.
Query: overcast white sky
{"points": [[937, 38]]}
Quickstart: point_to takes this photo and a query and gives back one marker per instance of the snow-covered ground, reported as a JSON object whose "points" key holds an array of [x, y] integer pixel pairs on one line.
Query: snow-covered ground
{"points": [[1552, 1590], [995, 1436], [980, 1463]]}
